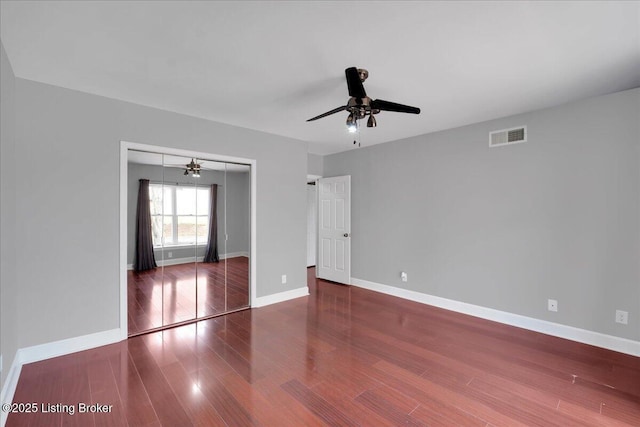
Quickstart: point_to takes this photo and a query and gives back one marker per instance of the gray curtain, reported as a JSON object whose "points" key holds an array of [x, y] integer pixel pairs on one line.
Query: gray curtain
{"points": [[145, 259], [211, 255]]}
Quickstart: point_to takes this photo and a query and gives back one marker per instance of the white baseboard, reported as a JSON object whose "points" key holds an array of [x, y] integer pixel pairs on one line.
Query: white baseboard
{"points": [[234, 255], [40, 352], [176, 261], [584, 336], [280, 297], [9, 388]]}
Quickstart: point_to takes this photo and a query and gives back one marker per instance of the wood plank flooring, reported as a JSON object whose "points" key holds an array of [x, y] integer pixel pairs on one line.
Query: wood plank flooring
{"points": [[343, 356], [167, 295]]}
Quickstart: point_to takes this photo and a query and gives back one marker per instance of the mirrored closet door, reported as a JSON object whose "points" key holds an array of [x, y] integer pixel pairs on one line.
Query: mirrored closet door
{"points": [[188, 239]]}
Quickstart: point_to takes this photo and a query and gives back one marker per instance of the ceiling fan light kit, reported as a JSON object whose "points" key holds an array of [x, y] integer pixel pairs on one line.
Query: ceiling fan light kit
{"points": [[360, 105], [352, 123], [193, 168], [371, 123]]}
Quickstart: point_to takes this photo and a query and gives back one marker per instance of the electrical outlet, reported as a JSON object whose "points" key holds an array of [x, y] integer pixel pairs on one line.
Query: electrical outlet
{"points": [[284, 278], [622, 317], [403, 276], [552, 305], [170, 254]]}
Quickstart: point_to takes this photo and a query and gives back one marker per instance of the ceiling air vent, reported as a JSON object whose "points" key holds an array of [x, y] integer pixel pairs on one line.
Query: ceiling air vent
{"points": [[502, 137]]}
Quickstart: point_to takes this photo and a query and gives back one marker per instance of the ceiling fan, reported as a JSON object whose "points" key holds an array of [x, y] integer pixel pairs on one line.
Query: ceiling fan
{"points": [[192, 167], [360, 105]]}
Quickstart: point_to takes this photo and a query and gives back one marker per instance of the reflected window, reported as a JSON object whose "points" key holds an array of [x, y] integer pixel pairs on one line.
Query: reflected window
{"points": [[179, 214]]}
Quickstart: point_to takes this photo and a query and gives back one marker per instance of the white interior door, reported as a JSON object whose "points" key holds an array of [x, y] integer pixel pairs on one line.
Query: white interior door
{"points": [[334, 229]]}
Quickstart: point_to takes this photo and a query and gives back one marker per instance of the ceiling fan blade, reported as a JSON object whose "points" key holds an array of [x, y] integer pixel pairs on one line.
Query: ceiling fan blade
{"points": [[356, 89], [382, 105], [328, 113]]}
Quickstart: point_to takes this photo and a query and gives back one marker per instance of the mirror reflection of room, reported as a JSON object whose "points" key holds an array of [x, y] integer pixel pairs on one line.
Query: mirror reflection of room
{"points": [[188, 239]]}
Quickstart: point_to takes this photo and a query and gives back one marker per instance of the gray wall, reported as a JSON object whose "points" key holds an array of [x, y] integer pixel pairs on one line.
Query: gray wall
{"points": [[235, 194], [315, 164], [8, 277], [68, 220], [239, 212], [507, 228]]}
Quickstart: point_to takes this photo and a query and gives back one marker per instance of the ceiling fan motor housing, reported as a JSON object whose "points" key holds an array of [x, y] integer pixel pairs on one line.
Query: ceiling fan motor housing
{"points": [[360, 107]]}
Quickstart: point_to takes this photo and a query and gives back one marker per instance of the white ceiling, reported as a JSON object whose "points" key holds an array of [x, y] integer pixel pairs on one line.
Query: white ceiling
{"points": [[271, 65]]}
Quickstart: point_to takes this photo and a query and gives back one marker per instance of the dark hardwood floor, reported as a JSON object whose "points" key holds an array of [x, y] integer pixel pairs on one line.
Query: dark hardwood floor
{"points": [[167, 295], [342, 356]]}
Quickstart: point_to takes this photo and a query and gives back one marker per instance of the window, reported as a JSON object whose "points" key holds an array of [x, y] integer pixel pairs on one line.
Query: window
{"points": [[179, 214]]}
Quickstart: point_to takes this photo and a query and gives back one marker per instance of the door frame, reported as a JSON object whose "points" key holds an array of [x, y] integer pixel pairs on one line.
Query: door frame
{"points": [[125, 146], [315, 179]]}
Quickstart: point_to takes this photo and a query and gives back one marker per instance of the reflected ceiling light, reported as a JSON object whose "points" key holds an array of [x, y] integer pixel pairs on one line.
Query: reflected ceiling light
{"points": [[193, 168], [195, 388]]}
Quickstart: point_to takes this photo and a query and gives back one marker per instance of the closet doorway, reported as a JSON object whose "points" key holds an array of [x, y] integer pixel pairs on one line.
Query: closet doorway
{"points": [[188, 238]]}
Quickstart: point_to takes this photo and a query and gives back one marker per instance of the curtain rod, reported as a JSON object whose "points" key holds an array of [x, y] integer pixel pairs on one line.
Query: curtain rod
{"points": [[181, 184]]}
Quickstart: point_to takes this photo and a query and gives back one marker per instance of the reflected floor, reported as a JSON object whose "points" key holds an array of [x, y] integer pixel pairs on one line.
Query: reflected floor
{"points": [[166, 295]]}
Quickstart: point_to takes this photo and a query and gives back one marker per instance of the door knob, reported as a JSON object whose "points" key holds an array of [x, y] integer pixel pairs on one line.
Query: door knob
{"points": [[346, 234]]}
